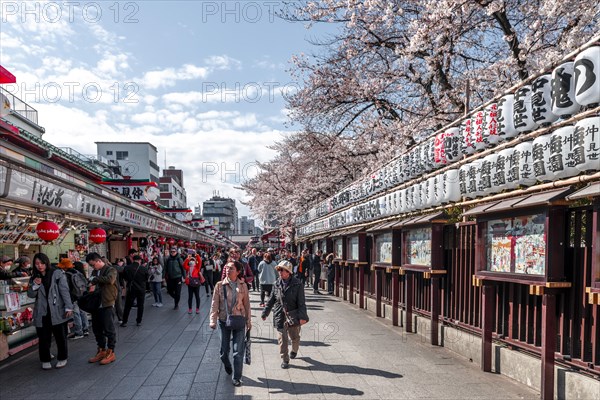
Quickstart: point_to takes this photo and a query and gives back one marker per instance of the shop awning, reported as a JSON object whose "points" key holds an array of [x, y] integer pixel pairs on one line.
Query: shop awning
{"points": [[419, 219], [381, 226], [591, 190], [528, 200]]}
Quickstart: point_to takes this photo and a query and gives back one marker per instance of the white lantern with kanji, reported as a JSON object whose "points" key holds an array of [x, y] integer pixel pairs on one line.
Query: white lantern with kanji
{"points": [[505, 118], [489, 173], [540, 150], [542, 101], [586, 142], [522, 110], [587, 74], [478, 129], [430, 193], [510, 166], [562, 163], [563, 90], [467, 145], [490, 134], [450, 186], [526, 175], [462, 179], [473, 176], [484, 177]]}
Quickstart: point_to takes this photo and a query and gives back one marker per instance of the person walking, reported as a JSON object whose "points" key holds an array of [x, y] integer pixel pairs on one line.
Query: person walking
{"points": [[80, 317], [330, 273], [266, 276], [75, 278], [289, 311], [53, 308], [253, 261], [208, 265], [136, 276], [174, 274], [193, 281], [316, 261], [104, 278], [231, 302], [155, 273]]}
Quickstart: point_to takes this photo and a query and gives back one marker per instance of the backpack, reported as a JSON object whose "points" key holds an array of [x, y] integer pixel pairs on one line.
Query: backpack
{"points": [[77, 283]]}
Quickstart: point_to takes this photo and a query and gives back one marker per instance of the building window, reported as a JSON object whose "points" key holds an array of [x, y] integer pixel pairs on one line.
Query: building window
{"points": [[122, 155], [109, 152]]}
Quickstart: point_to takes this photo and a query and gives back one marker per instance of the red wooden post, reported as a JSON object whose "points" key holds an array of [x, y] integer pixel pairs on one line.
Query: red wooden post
{"points": [[488, 306], [395, 296], [345, 272], [410, 285], [435, 309], [548, 344], [361, 286]]}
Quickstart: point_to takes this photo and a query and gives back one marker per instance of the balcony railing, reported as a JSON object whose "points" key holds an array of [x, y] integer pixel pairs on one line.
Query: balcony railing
{"points": [[20, 107]]}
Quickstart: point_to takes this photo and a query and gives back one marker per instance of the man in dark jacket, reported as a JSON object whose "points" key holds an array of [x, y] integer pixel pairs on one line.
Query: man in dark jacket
{"points": [[289, 311], [136, 276], [104, 278], [174, 275], [315, 265]]}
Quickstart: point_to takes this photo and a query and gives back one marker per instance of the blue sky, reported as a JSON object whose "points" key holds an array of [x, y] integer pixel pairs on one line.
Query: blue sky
{"points": [[202, 80]]}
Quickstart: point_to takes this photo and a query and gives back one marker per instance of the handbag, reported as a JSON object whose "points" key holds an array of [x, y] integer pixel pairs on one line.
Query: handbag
{"points": [[248, 354], [233, 322], [194, 282], [90, 301]]}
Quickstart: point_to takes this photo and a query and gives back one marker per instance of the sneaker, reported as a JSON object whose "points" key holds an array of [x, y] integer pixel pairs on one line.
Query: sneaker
{"points": [[285, 365], [61, 364], [46, 365], [123, 325], [110, 357], [99, 356], [138, 324], [189, 310], [159, 305], [155, 305], [293, 354], [236, 382], [197, 311], [86, 333], [74, 336]]}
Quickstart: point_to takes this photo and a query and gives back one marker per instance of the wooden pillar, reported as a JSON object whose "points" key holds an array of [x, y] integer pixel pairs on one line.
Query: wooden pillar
{"points": [[488, 308], [548, 344], [361, 286], [378, 290], [351, 271], [345, 273], [337, 280], [410, 287], [435, 309], [395, 295]]}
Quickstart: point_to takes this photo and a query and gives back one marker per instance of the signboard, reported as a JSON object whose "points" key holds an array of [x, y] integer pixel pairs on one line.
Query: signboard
{"points": [[128, 217], [96, 208], [26, 188]]}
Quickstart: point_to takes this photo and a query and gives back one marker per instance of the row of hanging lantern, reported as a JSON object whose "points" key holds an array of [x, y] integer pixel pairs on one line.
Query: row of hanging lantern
{"points": [[550, 98]]}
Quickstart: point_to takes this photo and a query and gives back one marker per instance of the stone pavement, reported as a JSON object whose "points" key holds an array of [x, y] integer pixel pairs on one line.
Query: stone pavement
{"points": [[344, 353]]}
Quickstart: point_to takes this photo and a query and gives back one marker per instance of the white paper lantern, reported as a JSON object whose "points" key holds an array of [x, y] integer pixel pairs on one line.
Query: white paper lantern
{"points": [[526, 174], [542, 101], [484, 177], [488, 173], [522, 110], [397, 202], [506, 124], [463, 173], [587, 73], [404, 200], [416, 196], [540, 150], [430, 154], [472, 179], [437, 190], [467, 145], [586, 142], [410, 197], [506, 162], [562, 162], [430, 194], [563, 90], [477, 130], [490, 134], [451, 186]]}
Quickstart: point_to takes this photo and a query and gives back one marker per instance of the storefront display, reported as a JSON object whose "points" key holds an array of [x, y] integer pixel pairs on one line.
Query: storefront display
{"points": [[353, 248], [383, 248], [418, 246]]}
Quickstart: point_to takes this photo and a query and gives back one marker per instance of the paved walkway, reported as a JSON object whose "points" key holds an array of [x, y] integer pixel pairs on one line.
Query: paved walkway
{"points": [[345, 353]]}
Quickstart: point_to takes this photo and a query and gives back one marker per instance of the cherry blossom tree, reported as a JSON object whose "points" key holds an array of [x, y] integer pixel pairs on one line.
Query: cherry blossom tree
{"points": [[396, 71]]}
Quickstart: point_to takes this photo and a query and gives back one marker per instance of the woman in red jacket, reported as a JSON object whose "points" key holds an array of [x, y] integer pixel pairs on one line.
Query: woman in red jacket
{"points": [[193, 281]]}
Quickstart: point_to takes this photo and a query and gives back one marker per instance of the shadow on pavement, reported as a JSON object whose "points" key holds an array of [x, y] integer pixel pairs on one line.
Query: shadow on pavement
{"points": [[343, 369], [310, 343], [297, 388]]}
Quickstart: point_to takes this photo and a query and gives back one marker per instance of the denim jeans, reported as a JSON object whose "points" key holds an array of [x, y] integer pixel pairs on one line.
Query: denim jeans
{"points": [[80, 320], [156, 291], [238, 348]]}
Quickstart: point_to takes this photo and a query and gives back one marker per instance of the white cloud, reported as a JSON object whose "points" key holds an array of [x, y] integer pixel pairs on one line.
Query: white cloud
{"points": [[223, 62], [170, 76]]}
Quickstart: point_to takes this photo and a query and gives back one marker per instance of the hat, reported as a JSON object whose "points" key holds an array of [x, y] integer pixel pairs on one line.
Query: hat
{"points": [[65, 263], [285, 264], [5, 259]]}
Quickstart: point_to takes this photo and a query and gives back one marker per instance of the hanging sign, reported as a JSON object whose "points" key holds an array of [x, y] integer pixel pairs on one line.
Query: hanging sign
{"points": [[95, 208], [97, 235], [562, 163], [47, 231], [477, 130], [506, 124], [587, 73], [563, 90], [586, 144], [29, 189], [540, 151], [522, 110], [542, 101], [523, 151], [135, 190], [490, 134]]}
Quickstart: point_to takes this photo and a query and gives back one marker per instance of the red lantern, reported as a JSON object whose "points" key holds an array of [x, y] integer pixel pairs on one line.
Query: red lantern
{"points": [[98, 235], [47, 231], [187, 244], [161, 241], [171, 241], [180, 242]]}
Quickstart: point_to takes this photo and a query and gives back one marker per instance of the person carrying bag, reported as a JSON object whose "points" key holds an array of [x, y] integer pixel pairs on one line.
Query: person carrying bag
{"points": [[230, 308]]}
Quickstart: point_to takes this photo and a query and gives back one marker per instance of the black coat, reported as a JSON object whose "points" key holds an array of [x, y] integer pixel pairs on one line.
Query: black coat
{"points": [[293, 298], [136, 276]]}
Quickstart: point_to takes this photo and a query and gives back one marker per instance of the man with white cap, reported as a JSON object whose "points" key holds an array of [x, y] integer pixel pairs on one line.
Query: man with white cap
{"points": [[289, 311]]}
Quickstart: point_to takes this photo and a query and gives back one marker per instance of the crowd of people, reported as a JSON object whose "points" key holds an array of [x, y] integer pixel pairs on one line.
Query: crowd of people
{"points": [[66, 292]]}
